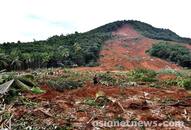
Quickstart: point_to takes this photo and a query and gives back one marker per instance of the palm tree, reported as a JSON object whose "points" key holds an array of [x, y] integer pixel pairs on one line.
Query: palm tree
{"points": [[4, 61], [26, 58], [16, 64]]}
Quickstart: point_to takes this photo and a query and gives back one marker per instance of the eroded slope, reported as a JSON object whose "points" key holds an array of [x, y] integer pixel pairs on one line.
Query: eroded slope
{"points": [[128, 51]]}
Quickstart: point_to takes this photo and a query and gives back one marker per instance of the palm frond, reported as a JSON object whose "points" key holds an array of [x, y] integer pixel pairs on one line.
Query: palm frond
{"points": [[5, 87]]}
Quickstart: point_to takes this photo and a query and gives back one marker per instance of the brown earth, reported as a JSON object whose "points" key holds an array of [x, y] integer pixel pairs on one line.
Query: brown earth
{"points": [[140, 103], [128, 51], [125, 52]]}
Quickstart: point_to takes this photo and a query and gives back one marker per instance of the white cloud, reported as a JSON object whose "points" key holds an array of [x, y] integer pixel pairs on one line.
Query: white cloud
{"points": [[28, 19]]}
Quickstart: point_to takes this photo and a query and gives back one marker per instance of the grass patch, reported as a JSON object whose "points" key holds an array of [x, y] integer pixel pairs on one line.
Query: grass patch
{"points": [[143, 75]]}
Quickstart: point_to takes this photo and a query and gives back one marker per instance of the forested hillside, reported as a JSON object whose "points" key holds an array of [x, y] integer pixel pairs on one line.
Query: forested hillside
{"points": [[172, 52], [78, 49], [71, 50]]}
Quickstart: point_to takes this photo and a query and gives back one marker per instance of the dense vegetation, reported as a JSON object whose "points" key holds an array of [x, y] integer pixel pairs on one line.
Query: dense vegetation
{"points": [[146, 30], [157, 33], [71, 50], [78, 49], [172, 52]]}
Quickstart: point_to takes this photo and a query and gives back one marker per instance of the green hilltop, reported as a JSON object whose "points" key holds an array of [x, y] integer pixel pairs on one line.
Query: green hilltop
{"points": [[78, 49]]}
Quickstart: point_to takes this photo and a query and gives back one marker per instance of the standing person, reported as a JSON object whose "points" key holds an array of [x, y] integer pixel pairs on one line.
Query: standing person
{"points": [[95, 80]]}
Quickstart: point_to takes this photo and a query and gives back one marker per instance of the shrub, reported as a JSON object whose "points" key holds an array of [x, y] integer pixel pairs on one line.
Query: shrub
{"points": [[171, 71], [143, 75], [107, 79], [172, 52], [184, 82], [62, 84]]}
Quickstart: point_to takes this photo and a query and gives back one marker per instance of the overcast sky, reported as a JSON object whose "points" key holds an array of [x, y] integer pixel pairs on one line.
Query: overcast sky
{"points": [[26, 20]]}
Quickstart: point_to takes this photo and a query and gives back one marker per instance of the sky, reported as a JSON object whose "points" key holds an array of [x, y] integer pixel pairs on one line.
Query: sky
{"points": [[26, 20]]}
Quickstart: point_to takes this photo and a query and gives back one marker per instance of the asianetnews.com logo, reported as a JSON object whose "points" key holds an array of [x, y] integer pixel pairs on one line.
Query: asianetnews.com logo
{"points": [[177, 124]]}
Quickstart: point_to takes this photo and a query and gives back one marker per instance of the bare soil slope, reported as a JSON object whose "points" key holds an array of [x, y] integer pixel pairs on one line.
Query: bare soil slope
{"points": [[128, 51]]}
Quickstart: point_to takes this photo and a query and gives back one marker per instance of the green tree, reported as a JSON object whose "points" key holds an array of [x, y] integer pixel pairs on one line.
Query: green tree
{"points": [[4, 61]]}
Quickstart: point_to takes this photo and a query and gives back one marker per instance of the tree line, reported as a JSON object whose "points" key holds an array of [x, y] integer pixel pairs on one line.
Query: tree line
{"points": [[172, 52], [78, 49]]}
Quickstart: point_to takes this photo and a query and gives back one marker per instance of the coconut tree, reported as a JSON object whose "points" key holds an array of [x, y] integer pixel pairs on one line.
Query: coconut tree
{"points": [[46, 58], [26, 58], [16, 64], [4, 61]]}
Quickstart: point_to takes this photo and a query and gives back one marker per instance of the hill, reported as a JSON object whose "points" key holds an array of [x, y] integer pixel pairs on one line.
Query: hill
{"points": [[121, 86], [145, 29], [84, 49]]}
